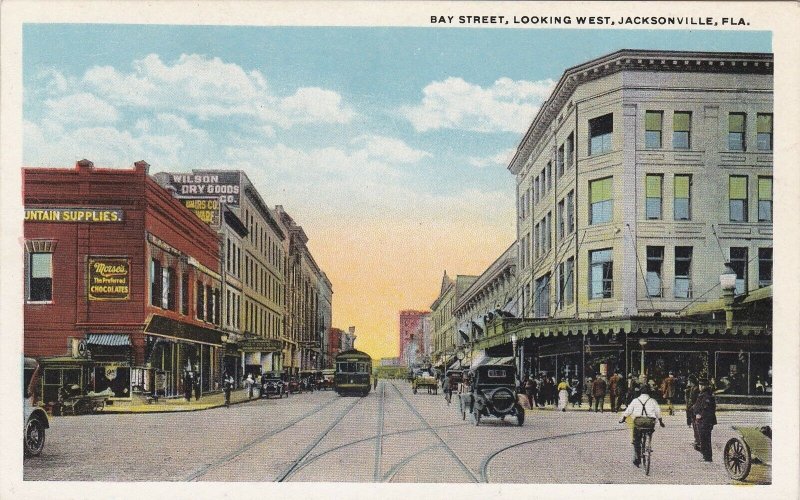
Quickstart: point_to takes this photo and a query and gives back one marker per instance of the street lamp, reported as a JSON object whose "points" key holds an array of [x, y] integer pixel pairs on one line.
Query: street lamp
{"points": [[642, 343], [514, 351], [727, 281]]}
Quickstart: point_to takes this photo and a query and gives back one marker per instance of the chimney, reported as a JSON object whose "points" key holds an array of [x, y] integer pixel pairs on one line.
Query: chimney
{"points": [[142, 166], [84, 166]]}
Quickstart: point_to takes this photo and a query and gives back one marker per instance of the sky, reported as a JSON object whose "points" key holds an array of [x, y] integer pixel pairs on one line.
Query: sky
{"points": [[389, 146]]}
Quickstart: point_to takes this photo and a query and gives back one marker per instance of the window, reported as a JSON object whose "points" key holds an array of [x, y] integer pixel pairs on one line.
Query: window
{"points": [[548, 230], [737, 193], [201, 300], [537, 233], [570, 212], [653, 196], [560, 161], [601, 274], [682, 205], [569, 150], [652, 129], [765, 199], [171, 286], [568, 280], [739, 265], [156, 283], [217, 306], [600, 131], [560, 218], [40, 277], [681, 130], [536, 190], [764, 131], [736, 131], [683, 268], [542, 300], [543, 180], [764, 267], [600, 201], [185, 294], [549, 175], [655, 262]]}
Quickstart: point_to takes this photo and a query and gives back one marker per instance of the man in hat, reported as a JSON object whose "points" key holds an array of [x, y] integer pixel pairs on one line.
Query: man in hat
{"points": [[705, 414], [668, 391], [642, 406], [599, 393], [613, 390], [691, 397]]}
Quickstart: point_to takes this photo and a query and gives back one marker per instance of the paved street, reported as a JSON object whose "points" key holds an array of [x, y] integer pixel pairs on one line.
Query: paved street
{"points": [[390, 436]]}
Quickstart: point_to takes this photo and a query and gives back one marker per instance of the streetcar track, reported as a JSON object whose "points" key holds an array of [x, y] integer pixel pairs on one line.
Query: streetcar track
{"points": [[379, 438], [242, 449], [441, 441], [491, 456], [399, 466], [295, 465]]}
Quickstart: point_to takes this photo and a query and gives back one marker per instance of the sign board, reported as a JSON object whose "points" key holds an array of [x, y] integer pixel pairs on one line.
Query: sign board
{"points": [[221, 185], [260, 345], [90, 215], [109, 278], [206, 209]]}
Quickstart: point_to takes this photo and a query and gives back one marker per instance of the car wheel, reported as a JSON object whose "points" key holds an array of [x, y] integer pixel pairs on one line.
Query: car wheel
{"points": [[34, 437]]}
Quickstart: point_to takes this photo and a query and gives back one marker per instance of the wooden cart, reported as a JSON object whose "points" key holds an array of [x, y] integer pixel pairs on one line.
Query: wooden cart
{"points": [[425, 381]]}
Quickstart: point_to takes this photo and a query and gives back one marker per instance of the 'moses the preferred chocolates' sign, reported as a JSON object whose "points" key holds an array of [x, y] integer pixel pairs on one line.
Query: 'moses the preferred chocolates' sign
{"points": [[109, 278]]}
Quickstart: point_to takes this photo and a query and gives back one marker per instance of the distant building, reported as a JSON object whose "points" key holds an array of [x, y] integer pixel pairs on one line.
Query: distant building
{"points": [[390, 362], [412, 347], [443, 322]]}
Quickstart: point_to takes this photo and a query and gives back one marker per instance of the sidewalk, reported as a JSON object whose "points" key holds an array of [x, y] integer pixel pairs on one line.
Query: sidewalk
{"points": [[214, 400], [679, 408]]}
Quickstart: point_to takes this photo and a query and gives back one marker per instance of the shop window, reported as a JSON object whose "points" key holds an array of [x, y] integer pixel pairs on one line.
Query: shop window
{"points": [[765, 199], [40, 277], [764, 267], [570, 212], [731, 372], [653, 185], [736, 131], [683, 272], [601, 274], [760, 373], [682, 203], [600, 201], [652, 129], [764, 131], [115, 378], [737, 194], [681, 130], [542, 299], [655, 263], [738, 262], [156, 283], [601, 130]]}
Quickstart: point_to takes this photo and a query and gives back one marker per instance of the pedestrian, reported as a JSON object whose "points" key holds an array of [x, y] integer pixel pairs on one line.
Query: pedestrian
{"points": [[188, 384], [227, 387], [563, 394], [575, 393], [705, 414], [691, 398], [196, 387], [588, 388], [530, 391], [668, 391], [642, 406], [622, 392], [551, 390], [633, 389], [613, 381], [249, 384], [599, 387]]}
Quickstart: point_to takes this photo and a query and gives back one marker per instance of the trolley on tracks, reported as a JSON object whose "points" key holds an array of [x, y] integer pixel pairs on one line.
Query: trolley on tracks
{"points": [[353, 372]]}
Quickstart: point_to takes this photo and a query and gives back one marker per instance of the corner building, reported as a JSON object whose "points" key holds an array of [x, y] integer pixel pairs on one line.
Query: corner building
{"points": [[642, 175]]}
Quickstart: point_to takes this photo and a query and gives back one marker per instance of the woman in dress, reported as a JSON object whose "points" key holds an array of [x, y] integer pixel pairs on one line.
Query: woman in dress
{"points": [[563, 394]]}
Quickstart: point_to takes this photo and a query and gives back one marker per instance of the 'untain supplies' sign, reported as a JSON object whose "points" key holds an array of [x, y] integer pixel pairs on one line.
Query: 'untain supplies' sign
{"points": [[223, 186], [109, 278], [206, 210], [73, 215]]}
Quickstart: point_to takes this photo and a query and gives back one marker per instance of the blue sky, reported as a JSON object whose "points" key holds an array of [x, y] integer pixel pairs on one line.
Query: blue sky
{"points": [[387, 142]]}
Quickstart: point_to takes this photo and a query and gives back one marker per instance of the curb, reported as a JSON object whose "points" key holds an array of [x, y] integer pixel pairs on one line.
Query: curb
{"points": [[183, 410]]}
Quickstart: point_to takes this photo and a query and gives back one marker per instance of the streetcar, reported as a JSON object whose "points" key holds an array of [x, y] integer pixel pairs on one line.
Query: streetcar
{"points": [[353, 371]]}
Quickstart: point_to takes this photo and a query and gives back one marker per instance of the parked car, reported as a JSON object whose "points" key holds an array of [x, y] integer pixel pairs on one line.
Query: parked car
{"points": [[293, 386], [36, 420], [492, 392], [272, 385]]}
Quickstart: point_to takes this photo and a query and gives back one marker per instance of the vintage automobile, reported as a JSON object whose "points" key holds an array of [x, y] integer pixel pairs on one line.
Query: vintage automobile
{"points": [[293, 385], [492, 392], [272, 385], [36, 420], [752, 447], [327, 378], [424, 380], [307, 381]]}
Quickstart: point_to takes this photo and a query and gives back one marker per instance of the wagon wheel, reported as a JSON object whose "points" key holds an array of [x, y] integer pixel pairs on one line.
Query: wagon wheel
{"points": [[737, 459]]}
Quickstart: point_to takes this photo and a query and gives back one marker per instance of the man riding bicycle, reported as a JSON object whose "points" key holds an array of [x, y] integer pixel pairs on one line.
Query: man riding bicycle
{"points": [[642, 406]]}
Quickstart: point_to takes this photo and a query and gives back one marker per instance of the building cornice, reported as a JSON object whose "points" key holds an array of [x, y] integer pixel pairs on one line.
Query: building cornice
{"points": [[633, 60]]}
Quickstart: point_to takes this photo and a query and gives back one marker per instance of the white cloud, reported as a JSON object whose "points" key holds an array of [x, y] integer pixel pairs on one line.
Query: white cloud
{"points": [[80, 109], [390, 149], [505, 106], [209, 88], [500, 159]]}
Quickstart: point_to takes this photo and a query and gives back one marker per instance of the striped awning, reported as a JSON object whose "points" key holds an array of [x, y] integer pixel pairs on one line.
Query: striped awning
{"points": [[109, 339]]}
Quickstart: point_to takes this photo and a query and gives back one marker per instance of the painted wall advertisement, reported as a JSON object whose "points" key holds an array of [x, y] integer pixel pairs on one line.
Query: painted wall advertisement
{"points": [[207, 210], [109, 278]]}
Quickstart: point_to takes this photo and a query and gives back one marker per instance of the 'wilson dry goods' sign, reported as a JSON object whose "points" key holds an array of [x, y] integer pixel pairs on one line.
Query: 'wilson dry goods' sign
{"points": [[109, 278]]}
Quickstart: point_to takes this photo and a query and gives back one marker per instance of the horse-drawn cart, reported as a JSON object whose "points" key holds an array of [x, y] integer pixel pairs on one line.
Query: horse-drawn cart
{"points": [[425, 381], [753, 446], [81, 405]]}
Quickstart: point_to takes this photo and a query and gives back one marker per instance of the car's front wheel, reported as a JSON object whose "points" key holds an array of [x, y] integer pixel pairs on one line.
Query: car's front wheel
{"points": [[34, 437]]}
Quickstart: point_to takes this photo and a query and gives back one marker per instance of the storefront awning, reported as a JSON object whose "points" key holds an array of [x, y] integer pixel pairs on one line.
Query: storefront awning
{"points": [[493, 361], [167, 327], [109, 339]]}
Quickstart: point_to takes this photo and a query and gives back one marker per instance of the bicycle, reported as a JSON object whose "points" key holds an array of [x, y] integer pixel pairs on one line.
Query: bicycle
{"points": [[646, 450]]}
